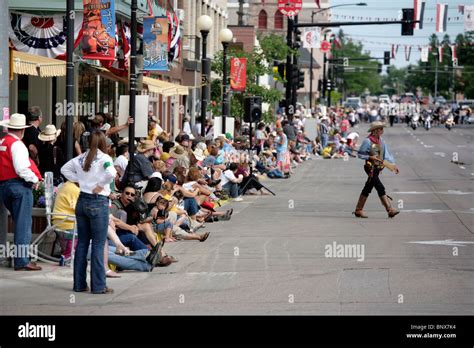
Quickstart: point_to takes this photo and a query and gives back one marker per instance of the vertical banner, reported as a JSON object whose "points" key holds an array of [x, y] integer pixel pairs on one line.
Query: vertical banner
{"points": [[441, 17], [98, 40], [440, 53], [407, 52], [469, 18], [424, 54], [419, 7], [312, 38], [155, 43], [238, 74]]}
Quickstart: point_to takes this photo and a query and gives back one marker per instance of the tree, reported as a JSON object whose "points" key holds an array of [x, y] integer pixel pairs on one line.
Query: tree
{"points": [[259, 62]]}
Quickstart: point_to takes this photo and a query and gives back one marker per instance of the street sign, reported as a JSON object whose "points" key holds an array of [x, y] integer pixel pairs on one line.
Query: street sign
{"points": [[325, 46], [290, 8]]}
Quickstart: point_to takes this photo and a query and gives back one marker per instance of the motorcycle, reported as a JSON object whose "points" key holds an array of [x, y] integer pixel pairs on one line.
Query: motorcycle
{"points": [[414, 121], [428, 122], [449, 122]]}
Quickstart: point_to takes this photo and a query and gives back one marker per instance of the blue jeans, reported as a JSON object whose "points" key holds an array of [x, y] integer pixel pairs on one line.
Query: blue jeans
{"points": [[191, 206], [92, 217], [130, 240], [232, 188], [275, 173], [18, 199], [324, 140], [135, 262]]}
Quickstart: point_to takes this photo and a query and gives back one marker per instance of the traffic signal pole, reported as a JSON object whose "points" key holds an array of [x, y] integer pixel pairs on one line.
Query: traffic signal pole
{"points": [[289, 71]]}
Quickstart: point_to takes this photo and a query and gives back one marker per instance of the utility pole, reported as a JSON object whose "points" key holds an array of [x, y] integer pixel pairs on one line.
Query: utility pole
{"points": [[436, 76], [4, 100], [133, 84], [69, 77], [289, 70]]}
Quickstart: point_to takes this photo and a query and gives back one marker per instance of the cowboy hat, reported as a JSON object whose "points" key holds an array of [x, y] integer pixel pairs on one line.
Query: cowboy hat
{"points": [[16, 121], [49, 133], [124, 141], [199, 154], [268, 152], [177, 152], [376, 125], [145, 145]]}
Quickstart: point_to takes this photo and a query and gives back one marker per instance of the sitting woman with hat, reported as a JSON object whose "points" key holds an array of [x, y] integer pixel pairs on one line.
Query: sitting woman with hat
{"points": [[51, 157], [142, 166], [375, 151]]}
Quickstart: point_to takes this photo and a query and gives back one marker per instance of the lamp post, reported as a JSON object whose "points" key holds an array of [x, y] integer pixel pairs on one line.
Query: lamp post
{"points": [[435, 55], [225, 37], [204, 24], [324, 63], [133, 83]]}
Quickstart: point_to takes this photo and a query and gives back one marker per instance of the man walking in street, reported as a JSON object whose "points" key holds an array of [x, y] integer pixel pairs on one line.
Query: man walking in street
{"points": [[376, 155], [18, 175]]}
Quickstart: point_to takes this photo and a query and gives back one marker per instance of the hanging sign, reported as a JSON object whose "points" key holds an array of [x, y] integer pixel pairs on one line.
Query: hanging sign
{"points": [[312, 38], [290, 8], [155, 43], [98, 40], [325, 46], [238, 74]]}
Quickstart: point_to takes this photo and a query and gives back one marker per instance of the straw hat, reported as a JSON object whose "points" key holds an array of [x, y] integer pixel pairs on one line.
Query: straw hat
{"points": [[16, 121], [199, 154], [165, 156], [376, 125], [268, 152], [145, 145], [49, 133], [177, 152], [202, 146]]}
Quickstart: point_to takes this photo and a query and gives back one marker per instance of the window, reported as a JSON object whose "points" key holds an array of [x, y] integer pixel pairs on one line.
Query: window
{"points": [[262, 20], [278, 20]]}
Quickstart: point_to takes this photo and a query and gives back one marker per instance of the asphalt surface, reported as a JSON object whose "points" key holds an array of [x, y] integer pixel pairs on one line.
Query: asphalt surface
{"points": [[272, 258]]}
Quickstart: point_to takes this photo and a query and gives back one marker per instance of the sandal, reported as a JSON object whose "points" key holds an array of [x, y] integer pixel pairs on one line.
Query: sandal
{"points": [[112, 274], [204, 236]]}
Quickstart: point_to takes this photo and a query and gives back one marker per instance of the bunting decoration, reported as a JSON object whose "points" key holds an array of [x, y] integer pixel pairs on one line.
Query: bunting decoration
{"points": [[469, 18], [174, 37], [419, 7], [42, 36], [440, 53], [454, 56], [424, 54], [318, 3], [441, 17], [461, 9], [407, 52], [453, 19]]}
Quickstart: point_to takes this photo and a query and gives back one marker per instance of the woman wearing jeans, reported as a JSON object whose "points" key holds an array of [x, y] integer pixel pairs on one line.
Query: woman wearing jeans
{"points": [[94, 172]]}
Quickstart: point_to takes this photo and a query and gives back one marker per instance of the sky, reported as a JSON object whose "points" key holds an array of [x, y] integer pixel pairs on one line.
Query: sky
{"points": [[382, 36]]}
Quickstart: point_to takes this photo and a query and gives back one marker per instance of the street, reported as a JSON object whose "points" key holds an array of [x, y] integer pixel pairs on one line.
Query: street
{"points": [[272, 258]]}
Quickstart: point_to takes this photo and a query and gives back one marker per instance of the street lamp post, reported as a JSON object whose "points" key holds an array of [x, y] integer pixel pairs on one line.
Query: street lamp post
{"points": [[324, 63], [225, 37], [204, 24]]}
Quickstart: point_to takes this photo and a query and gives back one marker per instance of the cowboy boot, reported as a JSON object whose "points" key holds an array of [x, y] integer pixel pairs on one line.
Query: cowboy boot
{"points": [[360, 206], [386, 203]]}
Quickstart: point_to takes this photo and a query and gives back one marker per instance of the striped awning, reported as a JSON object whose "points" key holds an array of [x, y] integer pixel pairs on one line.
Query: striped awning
{"points": [[27, 64], [164, 88]]}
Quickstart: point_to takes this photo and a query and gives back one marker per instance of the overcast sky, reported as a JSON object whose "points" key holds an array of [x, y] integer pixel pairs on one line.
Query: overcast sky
{"points": [[384, 35]]}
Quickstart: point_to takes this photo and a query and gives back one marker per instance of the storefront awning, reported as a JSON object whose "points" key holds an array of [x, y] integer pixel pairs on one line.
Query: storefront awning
{"points": [[164, 88], [28, 64], [104, 72]]}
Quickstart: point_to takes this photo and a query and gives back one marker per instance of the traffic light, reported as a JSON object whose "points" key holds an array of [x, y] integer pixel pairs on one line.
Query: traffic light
{"points": [[388, 70], [328, 84], [300, 79], [386, 57], [407, 27], [252, 109], [320, 85], [379, 68], [295, 75], [297, 43]]}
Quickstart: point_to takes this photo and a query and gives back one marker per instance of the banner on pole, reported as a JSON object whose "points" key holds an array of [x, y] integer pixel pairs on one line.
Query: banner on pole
{"points": [[469, 18], [238, 74], [424, 54], [312, 38], [155, 43], [98, 40]]}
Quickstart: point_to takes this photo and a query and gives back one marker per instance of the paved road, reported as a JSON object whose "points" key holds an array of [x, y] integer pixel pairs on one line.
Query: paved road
{"points": [[271, 257]]}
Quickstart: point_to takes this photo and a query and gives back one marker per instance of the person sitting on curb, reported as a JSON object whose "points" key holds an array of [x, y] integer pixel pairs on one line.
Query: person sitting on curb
{"points": [[230, 183]]}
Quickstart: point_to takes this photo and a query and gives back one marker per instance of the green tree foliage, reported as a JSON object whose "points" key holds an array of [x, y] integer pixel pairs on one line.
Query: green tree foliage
{"points": [[360, 74], [259, 62]]}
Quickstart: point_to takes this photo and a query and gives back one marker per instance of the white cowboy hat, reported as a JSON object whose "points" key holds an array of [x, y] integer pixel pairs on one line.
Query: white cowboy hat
{"points": [[199, 154], [376, 125], [49, 133], [16, 121]]}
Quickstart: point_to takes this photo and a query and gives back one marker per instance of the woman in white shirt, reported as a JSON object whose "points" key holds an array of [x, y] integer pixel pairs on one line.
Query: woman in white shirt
{"points": [[94, 172]]}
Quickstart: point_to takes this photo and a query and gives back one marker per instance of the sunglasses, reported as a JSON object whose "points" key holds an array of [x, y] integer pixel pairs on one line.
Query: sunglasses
{"points": [[130, 194]]}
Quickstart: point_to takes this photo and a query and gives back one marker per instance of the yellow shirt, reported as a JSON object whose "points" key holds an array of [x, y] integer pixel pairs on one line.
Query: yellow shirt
{"points": [[65, 203], [327, 151], [152, 133]]}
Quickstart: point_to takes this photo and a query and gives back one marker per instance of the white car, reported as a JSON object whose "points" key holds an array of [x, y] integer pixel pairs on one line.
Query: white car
{"points": [[384, 99]]}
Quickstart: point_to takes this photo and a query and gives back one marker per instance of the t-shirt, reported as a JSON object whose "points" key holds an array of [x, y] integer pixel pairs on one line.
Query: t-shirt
{"points": [[31, 138], [142, 169], [65, 203], [289, 130], [227, 176]]}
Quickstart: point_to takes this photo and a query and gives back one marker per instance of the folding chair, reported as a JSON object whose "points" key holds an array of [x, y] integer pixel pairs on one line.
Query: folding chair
{"points": [[49, 202]]}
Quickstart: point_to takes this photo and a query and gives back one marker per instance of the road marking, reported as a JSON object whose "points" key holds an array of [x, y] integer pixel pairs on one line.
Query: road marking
{"points": [[462, 146], [449, 192], [449, 242], [429, 146], [417, 139], [422, 143], [462, 167], [433, 211], [442, 154], [472, 174]]}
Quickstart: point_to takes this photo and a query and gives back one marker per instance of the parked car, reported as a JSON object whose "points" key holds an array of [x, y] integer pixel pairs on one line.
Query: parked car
{"points": [[384, 98]]}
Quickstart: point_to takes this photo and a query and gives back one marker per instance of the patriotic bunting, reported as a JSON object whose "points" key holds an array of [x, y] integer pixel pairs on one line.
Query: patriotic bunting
{"points": [[440, 53], [407, 52], [419, 7]]}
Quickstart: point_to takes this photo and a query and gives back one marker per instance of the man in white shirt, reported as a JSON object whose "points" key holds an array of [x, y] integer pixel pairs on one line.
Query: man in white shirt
{"points": [[230, 183], [18, 175]]}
